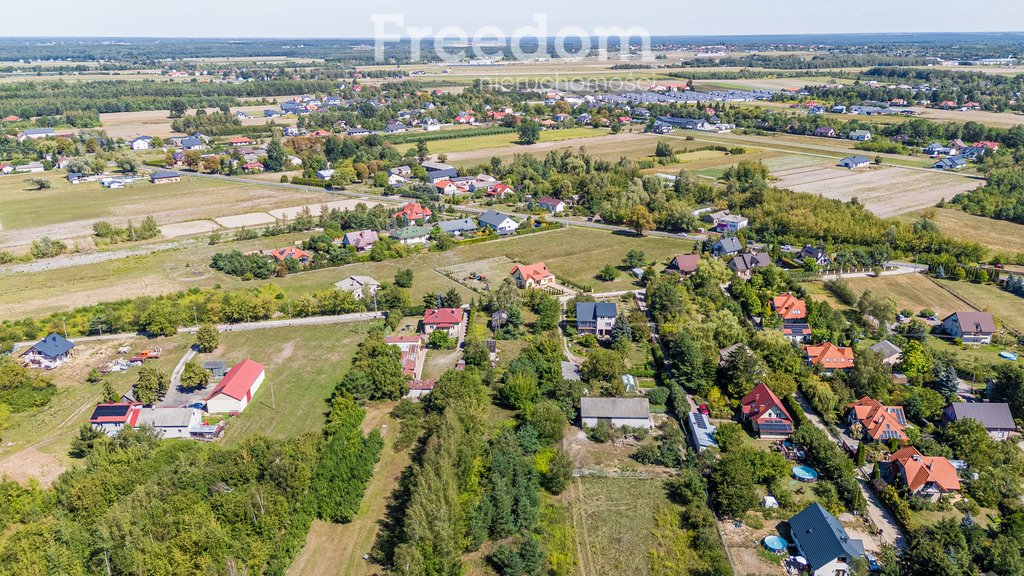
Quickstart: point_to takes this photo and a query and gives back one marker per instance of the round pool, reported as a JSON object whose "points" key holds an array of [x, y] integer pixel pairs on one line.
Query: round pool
{"points": [[775, 544], [805, 473]]}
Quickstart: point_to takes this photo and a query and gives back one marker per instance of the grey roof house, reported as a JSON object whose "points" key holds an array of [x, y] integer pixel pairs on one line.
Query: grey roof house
{"points": [[595, 317], [726, 246], [995, 417], [49, 353], [823, 541], [458, 227], [744, 264], [502, 224], [634, 412]]}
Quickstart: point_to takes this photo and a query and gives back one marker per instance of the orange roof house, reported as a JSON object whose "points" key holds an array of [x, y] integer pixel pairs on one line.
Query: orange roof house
{"points": [[790, 307], [880, 422], [765, 412], [413, 211], [532, 275], [240, 140], [282, 254], [829, 356], [927, 475]]}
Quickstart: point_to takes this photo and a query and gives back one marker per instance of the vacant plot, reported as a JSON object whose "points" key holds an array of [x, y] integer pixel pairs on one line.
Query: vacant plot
{"points": [[508, 148], [188, 228], [886, 191], [616, 519], [996, 235], [158, 122], [68, 211], [1006, 307], [246, 220], [458, 148], [912, 291], [316, 209], [304, 364]]}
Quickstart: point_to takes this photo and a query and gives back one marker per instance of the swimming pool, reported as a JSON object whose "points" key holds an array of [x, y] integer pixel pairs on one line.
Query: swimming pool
{"points": [[775, 544], [805, 473]]}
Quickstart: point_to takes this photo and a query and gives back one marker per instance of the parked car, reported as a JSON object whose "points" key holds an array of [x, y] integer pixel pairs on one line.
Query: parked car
{"points": [[703, 409]]}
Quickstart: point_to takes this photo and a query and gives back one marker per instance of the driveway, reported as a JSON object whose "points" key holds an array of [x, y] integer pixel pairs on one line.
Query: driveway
{"points": [[176, 396]]}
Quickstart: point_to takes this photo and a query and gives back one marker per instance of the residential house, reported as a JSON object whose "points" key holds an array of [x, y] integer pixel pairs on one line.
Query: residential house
{"points": [[236, 390], [446, 187], [291, 131], [553, 205], [449, 320], [596, 318], [359, 286], [702, 431], [937, 149], [412, 212], [532, 275], [686, 123], [293, 252], [76, 177], [395, 128], [745, 264], [171, 422], [995, 417], [192, 143], [112, 418], [411, 234], [890, 353], [789, 307], [498, 191], [880, 422], [950, 163], [403, 171], [35, 134], [860, 135], [501, 224], [164, 177], [253, 167], [829, 357], [431, 125], [632, 412], [684, 264], [362, 240], [970, 327], [396, 181], [993, 146], [838, 110], [438, 171], [765, 413], [49, 353], [727, 246], [325, 174], [241, 115], [815, 253], [726, 222], [825, 132], [458, 227], [6, 169], [823, 542], [927, 476], [854, 162], [141, 143]]}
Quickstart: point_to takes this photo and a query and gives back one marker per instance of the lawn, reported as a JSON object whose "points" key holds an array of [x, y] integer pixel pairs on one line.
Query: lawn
{"points": [[616, 519], [304, 364], [1006, 307]]}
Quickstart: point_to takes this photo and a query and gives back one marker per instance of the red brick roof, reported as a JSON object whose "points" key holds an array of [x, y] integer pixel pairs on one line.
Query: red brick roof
{"points": [[290, 252], [880, 422], [686, 262], [536, 272], [761, 399], [442, 316], [789, 307], [239, 380], [919, 469], [828, 355], [414, 211], [117, 413]]}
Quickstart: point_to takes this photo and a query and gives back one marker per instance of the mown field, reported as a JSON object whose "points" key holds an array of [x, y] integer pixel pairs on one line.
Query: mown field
{"points": [[501, 140], [1006, 307], [999, 236], [911, 291]]}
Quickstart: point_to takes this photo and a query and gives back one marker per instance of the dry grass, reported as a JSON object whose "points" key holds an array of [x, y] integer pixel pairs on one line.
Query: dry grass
{"points": [[1006, 307], [998, 236]]}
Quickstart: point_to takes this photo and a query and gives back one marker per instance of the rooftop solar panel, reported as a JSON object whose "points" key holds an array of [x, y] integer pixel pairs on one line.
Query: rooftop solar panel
{"points": [[108, 411]]}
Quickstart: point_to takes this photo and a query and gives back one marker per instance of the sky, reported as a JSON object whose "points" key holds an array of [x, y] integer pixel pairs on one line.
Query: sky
{"points": [[349, 19]]}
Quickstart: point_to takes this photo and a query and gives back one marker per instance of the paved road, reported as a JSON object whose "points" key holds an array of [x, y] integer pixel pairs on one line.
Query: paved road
{"points": [[242, 327], [176, 396]]}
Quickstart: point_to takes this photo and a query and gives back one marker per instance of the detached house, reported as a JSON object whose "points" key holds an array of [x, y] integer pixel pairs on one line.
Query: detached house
{"points": [[553, 205], [854, 162], [532, 275], [745, 264], [361, 241], [823, 542], [793, 312], [501, 224], [726, 222], [727, 246], [928, 476], [970, 327], [880, 422], [994, 416], [293, 252], [112, 418], [830, 357], [448, 320], [49, 353], [412, 235], [950, 163], [815, 253], [825, 132], [359, 286], [413, 211], [860, 135], [458, 227], [595, 317], [141, 143], [765, 413], [164, 177], [684, 264]]}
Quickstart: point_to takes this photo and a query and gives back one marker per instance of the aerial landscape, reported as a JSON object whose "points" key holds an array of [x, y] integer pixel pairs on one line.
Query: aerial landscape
{"points": [[404, 291]]}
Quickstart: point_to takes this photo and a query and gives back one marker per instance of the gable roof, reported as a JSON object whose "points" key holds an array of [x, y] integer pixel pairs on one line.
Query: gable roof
{"points": [[494, 218], [686, 263], [536, 271], [53, 345], [442, 316], [239, 380], [161, 174], [745, 262], [591, 311], [119, 413], [760, 400], [880, 422], [461, 225], [858, 159], [993, 416], [886, 349], [789, 306], [821, 537], [615, 408], [829, 355], [919, 470], [729, 245], [549, 201], [167, 417], [974, 322]]}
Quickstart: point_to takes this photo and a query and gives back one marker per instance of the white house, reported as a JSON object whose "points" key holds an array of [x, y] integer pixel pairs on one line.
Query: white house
{"points": [[860, 135], [595, 317], [236, 390], [854, 162], [633, 412], [823, 542], [553, 205], [112, 418], [49, 353], [141, 143], [172, 422], [502, 224], [359, 286], [970, 327]]}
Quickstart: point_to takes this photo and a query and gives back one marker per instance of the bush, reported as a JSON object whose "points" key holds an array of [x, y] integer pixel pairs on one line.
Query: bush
{"points": [[658, 395]]}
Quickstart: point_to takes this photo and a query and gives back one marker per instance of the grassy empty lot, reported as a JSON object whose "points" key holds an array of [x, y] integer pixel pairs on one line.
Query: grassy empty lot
{"points": [[615, 520], [996, 235], [913, 291], [304, 364], [1004, 306], [501, 140]]}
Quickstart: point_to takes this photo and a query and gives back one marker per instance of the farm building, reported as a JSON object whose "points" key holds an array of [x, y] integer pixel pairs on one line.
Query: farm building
{"points": [[164, 177], [633, 412], [172, 422], [236, 390]]}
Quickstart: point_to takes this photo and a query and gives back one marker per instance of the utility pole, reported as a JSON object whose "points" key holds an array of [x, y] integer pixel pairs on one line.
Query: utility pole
{"points": [[64, 324]]}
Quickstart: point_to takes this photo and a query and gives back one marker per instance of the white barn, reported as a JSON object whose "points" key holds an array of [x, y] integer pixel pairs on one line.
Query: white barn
{"points": [[236, 390]]}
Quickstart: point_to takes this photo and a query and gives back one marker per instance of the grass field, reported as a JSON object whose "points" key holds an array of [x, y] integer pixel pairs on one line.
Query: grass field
{"points": [[577, 253], [913, 291], [999, 236], [304, 364], [615, 519], [502, 140], [1006, 307]]}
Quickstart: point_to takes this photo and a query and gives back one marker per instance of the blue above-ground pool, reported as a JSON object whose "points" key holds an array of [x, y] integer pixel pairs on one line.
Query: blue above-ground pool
{"points": [[775, 544], [805, 473], [1008, 356]]}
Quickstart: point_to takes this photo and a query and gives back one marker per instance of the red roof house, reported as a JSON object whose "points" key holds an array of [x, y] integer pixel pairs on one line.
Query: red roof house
{"points": [[532, 276], [765, 412], [253, 167], [413, 211], [12, 118], [791, 308], [993, 146], [240, 141], [112, 418], [234, 392], [684, 264], [830, 357], [880, 422], [929, 476], [499, 190], [447, 319], [282, 254]]}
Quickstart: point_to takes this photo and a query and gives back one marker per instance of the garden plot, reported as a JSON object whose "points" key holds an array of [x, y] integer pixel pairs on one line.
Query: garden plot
{"points": [[886, 191]]}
